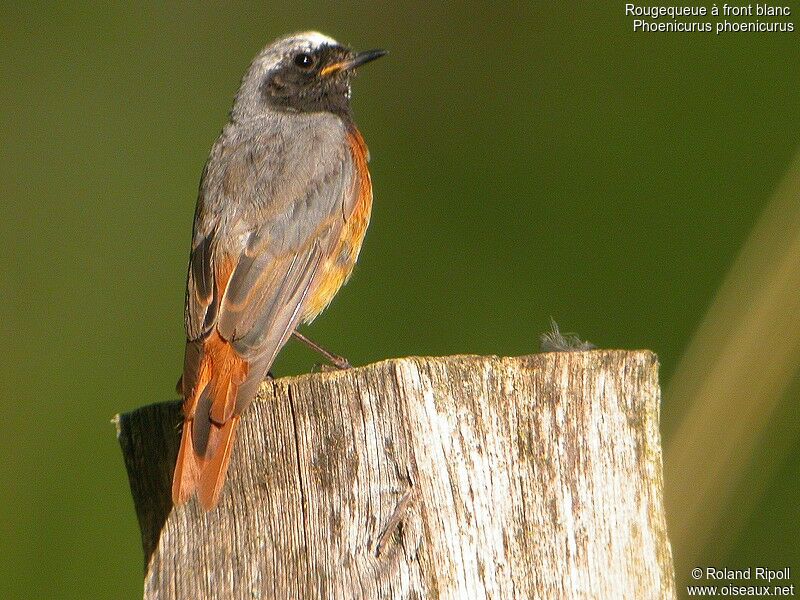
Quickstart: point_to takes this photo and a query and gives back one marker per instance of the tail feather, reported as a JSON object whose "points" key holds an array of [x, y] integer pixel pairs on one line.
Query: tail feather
{"points": [[224, 395], [187, 472], [210, 387], [212, 477]]}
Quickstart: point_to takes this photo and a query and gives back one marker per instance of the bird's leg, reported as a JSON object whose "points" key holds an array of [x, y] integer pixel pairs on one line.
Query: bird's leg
{"points": [[337, 361]]}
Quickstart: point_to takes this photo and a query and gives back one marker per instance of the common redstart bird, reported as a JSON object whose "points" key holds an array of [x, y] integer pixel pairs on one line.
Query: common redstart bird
{"points": [[284, 203]]}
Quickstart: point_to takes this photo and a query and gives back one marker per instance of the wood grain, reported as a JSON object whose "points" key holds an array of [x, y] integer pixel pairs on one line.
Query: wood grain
{"points": [[445, 478]]}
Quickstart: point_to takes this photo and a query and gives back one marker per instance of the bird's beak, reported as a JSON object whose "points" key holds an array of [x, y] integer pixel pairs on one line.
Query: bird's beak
{"points": [[352, 63]]}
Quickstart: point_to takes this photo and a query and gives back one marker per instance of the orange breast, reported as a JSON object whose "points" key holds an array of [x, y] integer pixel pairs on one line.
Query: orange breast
{"points": [[339, 265]]}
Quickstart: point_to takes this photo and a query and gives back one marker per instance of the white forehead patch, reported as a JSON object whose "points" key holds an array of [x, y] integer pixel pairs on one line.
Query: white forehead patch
{"points": [[317, 39], [277, 52]]}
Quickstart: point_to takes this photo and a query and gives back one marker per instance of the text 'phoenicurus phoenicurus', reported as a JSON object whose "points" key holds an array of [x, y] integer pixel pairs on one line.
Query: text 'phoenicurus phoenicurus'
{"points": [[284, 202]]}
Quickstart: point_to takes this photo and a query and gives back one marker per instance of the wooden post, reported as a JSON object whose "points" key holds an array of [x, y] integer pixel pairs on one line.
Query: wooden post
{"points": [[422, 478]]}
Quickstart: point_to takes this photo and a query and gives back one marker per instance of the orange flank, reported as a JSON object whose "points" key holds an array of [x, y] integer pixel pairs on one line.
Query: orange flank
{"points": [[339, 265]]}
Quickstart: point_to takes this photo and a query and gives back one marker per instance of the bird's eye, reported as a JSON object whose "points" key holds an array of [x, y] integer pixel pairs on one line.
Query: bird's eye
{"points": [[304, 61]]}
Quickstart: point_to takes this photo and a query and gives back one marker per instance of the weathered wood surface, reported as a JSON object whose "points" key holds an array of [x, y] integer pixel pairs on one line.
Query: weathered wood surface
{"points": [[447, 478]]}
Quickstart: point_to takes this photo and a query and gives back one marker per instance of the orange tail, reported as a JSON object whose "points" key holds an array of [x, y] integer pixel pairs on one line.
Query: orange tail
{"points": [[212, 375]]}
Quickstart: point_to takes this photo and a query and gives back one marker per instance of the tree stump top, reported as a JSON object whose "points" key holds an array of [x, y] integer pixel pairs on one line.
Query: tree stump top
{"points": [[457, 477]]}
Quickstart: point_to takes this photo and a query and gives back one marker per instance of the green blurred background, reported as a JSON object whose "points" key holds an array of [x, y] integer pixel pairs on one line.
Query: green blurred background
{"points": [[529, 160]]}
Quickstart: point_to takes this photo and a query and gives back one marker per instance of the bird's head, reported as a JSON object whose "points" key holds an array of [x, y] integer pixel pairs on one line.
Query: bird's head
{"points": [[304, 72]]}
